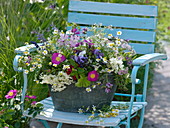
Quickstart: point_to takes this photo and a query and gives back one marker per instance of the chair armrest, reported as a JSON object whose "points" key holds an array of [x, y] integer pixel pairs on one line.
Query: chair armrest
{"points": [[29, 48], [145, 59]]}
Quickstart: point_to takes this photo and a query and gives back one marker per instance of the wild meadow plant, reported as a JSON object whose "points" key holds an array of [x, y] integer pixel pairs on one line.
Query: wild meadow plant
{"points": [[19, 22]]}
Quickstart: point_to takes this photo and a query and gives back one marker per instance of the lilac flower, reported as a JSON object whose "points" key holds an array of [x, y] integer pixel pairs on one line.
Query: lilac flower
{"points": [[122, 72], [126, 46], [11, 94], [57, 58], [107, 90], [63, 39], [109, 85], [93, 76], [52, 6], [41, 37], [33, 32]]}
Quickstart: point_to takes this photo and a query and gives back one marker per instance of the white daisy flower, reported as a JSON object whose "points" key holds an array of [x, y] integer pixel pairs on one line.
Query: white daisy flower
{"points": [[26, 71], [119, 32], [88, 89]]}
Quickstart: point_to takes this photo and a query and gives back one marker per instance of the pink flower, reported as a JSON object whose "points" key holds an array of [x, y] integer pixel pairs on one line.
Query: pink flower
{"points": [[11, 94], [31, 97], [33, 103], [93, 76], [57, 58]]}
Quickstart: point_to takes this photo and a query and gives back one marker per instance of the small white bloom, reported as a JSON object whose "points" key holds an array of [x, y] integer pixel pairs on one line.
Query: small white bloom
{"points": [[66, 67], [45, 52], [50, 63], [119, 32], [28, 64], [88, 89], [94, 108], [118, 43], [82, 53], [55, 65], [8, 38], [93, 86], [19, 68], [26, 52], [110, 45], [59, 55], [55, 31], [39, 65], [105, 60], [32, 69], [26, 71], [110, 36], [69, 32], [80, 111], [26, 43]]}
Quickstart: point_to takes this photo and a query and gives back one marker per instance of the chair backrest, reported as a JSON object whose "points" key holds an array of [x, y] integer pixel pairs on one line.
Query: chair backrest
{"points": [[137, 22]]}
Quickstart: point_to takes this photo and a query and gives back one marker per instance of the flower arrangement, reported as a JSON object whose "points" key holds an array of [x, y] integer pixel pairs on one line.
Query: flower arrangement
{"points": [[74, 57]]}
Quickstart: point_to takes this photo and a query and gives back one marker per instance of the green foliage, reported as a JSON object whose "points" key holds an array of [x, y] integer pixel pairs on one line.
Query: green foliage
{"points": [[19, 20], [11, 113], [82, 82]]}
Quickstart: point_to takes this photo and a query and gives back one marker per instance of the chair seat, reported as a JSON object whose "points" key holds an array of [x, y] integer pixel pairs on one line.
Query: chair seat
{"points": [[50, 114]]}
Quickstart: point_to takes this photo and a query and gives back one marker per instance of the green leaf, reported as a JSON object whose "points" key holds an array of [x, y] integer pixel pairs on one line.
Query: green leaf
{"points": [[83, 82], [80, 70], [17, 125]]}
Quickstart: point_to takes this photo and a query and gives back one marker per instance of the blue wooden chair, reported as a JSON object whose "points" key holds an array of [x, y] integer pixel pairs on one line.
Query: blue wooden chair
{"points": [[137, 23]]}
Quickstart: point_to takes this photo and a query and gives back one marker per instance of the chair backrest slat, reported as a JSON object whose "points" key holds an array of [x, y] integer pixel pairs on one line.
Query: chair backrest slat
{"points": [[116, 21], [137, 22], [112, 8]]}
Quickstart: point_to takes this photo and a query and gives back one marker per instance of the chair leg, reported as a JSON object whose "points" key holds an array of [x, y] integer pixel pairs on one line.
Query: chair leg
{"points": [[59, 125], [44, 122], [141, 117]]}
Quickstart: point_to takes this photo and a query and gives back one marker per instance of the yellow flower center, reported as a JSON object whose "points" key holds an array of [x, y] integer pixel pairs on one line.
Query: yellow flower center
{"points": [[10, 93], [92, 75], [58, 59]]}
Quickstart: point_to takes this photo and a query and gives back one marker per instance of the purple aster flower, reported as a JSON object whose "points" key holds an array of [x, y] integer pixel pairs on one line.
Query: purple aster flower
{"points": [[52, 6], [90, 44], [78, 44], [11, 94], [93, 76], [41, 37], [57, 58], [98, 53], [81, 60], [109, 85], [84, 30], [75, 31], [107, 90], [129, 62]]}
